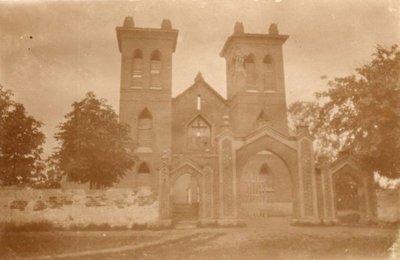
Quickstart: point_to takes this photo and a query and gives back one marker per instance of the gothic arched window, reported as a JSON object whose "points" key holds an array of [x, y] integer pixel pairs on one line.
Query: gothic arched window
{"points": [[266, 174], [268, 74], [155, 70], [143, 168], [199, 135], [250, 68], [262, 119], [145, 126], [137, 69]]}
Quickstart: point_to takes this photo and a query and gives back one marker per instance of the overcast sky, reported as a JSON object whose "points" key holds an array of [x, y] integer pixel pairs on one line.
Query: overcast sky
{"points": [[52, 53]]}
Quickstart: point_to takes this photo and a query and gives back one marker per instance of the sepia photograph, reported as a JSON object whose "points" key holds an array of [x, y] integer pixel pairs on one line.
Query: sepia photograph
{"points": [[200, 129]]}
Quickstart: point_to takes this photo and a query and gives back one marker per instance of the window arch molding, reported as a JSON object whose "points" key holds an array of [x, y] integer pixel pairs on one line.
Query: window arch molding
{"points": [[155, 55], [268, 59], [143, 168], [137, 54]]}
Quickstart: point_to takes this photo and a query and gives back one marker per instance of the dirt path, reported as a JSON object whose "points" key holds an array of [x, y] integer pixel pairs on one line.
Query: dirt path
{"points": [[273, 239]]}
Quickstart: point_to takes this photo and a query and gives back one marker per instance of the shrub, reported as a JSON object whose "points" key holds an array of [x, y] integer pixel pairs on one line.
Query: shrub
{"points": [[28, 227]]}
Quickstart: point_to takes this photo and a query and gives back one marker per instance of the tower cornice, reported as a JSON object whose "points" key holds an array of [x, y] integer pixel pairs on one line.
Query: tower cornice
{"points": [[256, 37], [146, 33]]}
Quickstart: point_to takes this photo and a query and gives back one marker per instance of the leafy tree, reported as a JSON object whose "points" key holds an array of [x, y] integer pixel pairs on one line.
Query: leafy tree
{"points": [[360, 114], [47, 174], [20, 141], [95, 147]]}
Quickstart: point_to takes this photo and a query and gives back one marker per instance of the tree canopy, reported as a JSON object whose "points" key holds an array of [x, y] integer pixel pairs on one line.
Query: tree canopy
{"points": [[359, 113], [20, 141], [95, 147]]}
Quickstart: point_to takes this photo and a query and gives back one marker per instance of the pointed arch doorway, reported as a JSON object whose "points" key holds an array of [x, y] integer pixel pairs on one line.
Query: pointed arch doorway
{"points": [[265, 187], [186, 193]]}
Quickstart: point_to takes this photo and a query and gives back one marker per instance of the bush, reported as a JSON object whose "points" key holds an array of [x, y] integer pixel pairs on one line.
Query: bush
{"points": [[97, 227], [28, 227]]}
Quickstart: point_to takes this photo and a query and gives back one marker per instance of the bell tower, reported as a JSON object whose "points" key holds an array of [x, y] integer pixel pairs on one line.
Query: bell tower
{"points": [[255, 80], [145, 90]]}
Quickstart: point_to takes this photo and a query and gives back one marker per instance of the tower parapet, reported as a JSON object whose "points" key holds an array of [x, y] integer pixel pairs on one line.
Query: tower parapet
{"points": [[255, 77]]}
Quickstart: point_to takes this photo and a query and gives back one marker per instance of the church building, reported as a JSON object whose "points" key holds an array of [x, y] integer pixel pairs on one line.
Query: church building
{"points": [[213, 158]]}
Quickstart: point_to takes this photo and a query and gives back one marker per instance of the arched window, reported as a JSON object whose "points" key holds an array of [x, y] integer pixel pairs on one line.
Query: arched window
{"points": [[199, 135], [137, 69], [143, 168], [268, 74], [266, 175], [262, 118], [251, 75], [145, 126], [155, 70]]}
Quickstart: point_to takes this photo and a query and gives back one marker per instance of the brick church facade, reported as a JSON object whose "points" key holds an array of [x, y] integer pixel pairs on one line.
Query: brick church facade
{"points": [[225, 159]]}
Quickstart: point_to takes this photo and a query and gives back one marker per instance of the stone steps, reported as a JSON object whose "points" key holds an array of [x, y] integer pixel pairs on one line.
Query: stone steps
{"points": [[186, 224], [185, 211]]}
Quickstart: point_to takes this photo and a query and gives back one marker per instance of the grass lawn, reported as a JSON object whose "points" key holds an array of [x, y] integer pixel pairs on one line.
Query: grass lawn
{"points": [[29, 244], [271, 238]]}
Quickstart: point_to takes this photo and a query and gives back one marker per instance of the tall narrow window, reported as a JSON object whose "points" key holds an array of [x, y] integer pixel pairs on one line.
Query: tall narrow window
{"points": [[250, 68], [199, 135], [145, 129], [137, 69], [143, 168], [198, 103], [267, 177], [155, 70], [268, 74]]}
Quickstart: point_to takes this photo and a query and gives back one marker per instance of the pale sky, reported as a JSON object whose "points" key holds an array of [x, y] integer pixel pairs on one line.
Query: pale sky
{"points": [[52, 53]]}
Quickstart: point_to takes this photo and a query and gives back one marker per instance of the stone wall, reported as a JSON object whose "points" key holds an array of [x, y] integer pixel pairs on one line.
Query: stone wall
{"points": [[388, 205], [67, 207]]}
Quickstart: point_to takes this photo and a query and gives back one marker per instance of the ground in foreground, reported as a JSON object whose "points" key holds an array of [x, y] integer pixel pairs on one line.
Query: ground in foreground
{"points": [[270, 238]]}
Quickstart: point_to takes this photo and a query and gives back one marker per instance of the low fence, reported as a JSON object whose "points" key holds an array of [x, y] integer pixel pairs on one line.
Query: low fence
{"points": [[68, 207]]}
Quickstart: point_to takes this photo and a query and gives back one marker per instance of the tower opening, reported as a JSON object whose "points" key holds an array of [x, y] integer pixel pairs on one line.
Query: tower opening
{"points": [[250, 68], [268, 74], [155, 69], [137, 69]]}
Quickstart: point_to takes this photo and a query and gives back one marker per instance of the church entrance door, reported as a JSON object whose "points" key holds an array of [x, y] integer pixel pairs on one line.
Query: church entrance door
{"points": [[186, 197], [265, 187]]}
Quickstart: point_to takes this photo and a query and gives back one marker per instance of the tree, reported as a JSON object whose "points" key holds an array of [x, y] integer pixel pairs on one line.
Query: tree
{"points": [[360, 114], [95, 147], [20, 141], [47, 174]]}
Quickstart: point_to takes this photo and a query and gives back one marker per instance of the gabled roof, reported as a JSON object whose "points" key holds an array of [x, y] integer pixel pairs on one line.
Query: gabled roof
{"points": [[345, 161], [199, 81], [266, 130]]}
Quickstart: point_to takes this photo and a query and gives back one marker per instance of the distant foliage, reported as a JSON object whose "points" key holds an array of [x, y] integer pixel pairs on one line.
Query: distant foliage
{"points": [[95, 147], [360, 114], [20, 142]]}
